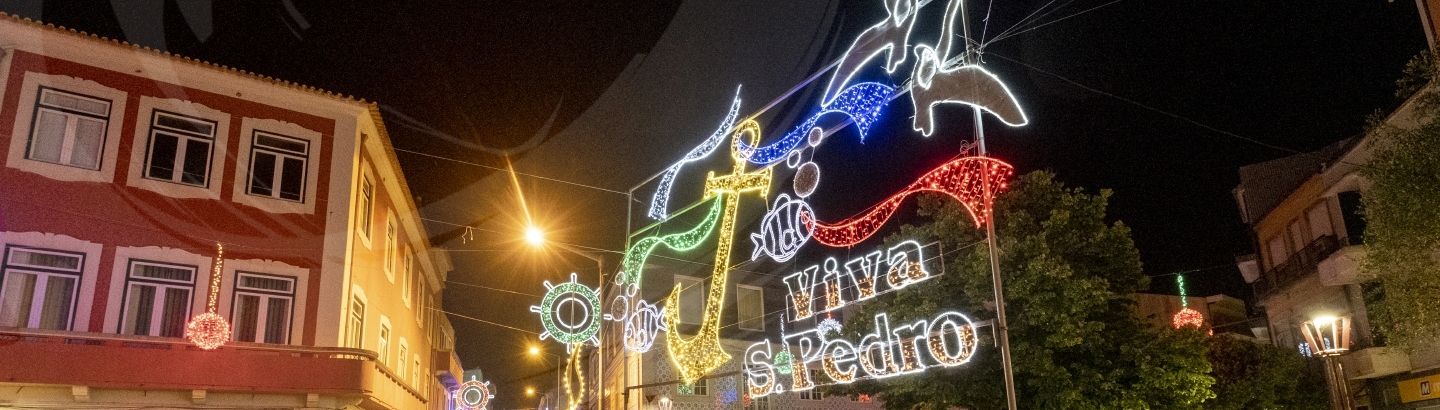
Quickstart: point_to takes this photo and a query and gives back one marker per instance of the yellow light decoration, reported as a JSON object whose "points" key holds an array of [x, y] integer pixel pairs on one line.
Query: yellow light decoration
{"points": [[702, 353], [573, 368], [209, 330]]}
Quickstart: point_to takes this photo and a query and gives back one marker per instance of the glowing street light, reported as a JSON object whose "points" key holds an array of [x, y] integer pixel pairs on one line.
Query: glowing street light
{"points": [[529, 391], [1329, 337], [535, 236], [534, 351]]}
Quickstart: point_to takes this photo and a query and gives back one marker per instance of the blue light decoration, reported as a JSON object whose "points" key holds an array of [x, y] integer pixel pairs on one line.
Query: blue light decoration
{"points": [[661, 199], [861, 102]]}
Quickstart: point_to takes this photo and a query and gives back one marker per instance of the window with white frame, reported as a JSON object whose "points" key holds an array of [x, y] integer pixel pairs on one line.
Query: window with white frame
{"points": [[366, 205], [277, 166], [357, 322], [383, 349], [692, 299], [750, 307], [699, 388], [390, 247], [409, 272], [179, 149], [68, 129], [759, 403], [157, 298], [812, 394], [402, 356], [262, 308], [38, 288], [415, 370]]}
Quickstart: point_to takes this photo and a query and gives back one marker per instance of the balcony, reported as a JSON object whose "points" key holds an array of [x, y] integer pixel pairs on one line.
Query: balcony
{"points": [[113, 362], [1374, 362], [1300, 265]]}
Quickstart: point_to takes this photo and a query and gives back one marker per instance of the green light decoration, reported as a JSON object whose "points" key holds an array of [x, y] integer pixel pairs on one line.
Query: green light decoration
{"points": [[634, 263], [573, 331], [783, 362]]}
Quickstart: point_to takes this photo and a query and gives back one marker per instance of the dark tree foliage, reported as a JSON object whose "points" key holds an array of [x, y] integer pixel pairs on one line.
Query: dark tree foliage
{"points": [[1254, 375], [1075, 342]]}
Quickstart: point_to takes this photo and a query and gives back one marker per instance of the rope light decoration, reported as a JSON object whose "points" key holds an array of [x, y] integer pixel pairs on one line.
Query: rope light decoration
{"points": [[1186, 316], [209, 330], [574, 371], [962, 179], [661, 199]]}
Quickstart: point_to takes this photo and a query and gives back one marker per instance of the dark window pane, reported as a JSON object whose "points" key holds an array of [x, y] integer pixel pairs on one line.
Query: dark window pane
{"points": [[292, 179], [277, 320], [162, 156], [184, 124], [1353, 216], [197, 162], [262, 173], [247, 314], [59, 295], [142, 304], [172, 320], [161, 272], [280, 143]]}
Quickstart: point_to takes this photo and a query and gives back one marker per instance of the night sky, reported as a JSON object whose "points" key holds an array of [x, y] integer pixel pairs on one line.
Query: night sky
{"points": [[1160, 101]]}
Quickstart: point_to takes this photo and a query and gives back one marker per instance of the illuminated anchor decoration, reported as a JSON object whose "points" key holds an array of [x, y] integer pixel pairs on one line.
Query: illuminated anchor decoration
{"points": [[966, 84], [702, 353]]}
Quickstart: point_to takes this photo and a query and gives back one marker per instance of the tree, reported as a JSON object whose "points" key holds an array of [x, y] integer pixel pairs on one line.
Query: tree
{"points": [[1402, 213], [1075, 343], [1252, 375]]}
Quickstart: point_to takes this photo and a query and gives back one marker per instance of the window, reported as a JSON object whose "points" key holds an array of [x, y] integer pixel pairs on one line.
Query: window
{"points": [[409, 271], [179, 149], [1319, 217], [700, 388], [357, 323], [38, 288], [400, 358], [415, 371], [68, 129], [812, 394], [157, 299], [367, 207], [759, 403], [1278, 252], [383, 349], [750, 306], [277, 166], [1352, 216], [692, 299], [261, 312], [1297, 235], [390, 248]]}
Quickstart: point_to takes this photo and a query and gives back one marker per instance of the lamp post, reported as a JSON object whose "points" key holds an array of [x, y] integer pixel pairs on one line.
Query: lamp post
{"points": [[559, 361], [1329, 337], [536, 238]]}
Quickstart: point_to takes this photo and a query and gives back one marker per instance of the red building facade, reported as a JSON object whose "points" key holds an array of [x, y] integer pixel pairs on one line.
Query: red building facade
{"points": [[123, 169]]}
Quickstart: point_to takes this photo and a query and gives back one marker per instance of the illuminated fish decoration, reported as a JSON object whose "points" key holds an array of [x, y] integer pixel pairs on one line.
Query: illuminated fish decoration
{"points": [[783, 230]]}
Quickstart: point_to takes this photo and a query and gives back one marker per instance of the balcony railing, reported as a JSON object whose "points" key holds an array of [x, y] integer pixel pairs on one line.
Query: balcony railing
{"points": [[1300, 265]]}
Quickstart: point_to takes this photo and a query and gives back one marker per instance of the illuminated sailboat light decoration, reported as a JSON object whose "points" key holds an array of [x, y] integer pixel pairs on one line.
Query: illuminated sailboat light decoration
{"points": [[1186, 316], [209, 330]]}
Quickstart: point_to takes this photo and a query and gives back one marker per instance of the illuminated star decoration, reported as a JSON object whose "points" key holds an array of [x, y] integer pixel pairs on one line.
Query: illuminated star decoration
{"points": [[570, 332], [960, 179], [634, 263], [701, 354], [966, 84], [473, 395], [1186, 316], [891, 36], [861, 102], [662, 193], [209, 330]]}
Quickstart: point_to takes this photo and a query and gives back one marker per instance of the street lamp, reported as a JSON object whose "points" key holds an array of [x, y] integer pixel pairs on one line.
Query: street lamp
{"points": [[536, 238], [559, 361], [1329, 337]]}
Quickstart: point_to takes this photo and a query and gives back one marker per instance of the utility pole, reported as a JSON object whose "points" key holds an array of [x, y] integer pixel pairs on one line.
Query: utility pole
{"points": [[1002, 330]]}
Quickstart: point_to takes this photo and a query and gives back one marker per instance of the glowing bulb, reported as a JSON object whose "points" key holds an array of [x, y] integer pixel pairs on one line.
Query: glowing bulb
{"points": [[534, 236], [529, 391], [534, 350]]}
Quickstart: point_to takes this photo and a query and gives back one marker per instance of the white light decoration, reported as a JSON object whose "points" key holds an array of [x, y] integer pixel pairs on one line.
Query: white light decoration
{"points": [[209, 330], [902, 265], [946, 340], [891, 37], [967, 84], [661, 200], [1328, 335], [560, 323], [641, 326], [473, 395], [782, 231]]}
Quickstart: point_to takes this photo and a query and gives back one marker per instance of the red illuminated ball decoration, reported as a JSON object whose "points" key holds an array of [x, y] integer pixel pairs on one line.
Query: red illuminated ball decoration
{"points": [[208, 330], [1188, 317]]}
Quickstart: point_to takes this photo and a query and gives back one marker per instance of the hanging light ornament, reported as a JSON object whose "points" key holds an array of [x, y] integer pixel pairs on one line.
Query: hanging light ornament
{"points": [[209, 330], [1186, 316]]}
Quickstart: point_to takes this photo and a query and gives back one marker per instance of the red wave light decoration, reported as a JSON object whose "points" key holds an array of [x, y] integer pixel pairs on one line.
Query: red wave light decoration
{"points": [[960, 179]]}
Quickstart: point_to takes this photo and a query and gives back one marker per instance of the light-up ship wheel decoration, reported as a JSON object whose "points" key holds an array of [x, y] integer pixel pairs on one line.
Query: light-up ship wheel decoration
{"points": [[473, 395], [570, 297]]}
